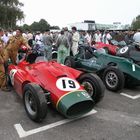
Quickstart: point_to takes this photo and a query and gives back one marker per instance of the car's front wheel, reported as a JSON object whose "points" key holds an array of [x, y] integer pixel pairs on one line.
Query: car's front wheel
{"points": [[113, 79], [93, 85], [35, 102]]}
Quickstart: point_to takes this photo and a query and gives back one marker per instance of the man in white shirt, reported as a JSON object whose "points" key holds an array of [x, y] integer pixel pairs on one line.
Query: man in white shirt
{"points": [[98, 36], [75, 41], [5, 37], [106, 37], [88, 38]]}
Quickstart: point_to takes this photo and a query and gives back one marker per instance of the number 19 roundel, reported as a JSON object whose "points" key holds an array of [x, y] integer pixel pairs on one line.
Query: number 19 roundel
{"points": [[67, 84]]}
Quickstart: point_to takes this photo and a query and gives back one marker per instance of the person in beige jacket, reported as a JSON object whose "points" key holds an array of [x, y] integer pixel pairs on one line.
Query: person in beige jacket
{"points": [[3, 82], [13, 45]]}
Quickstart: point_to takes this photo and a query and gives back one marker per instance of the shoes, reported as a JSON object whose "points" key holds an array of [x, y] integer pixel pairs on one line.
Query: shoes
{"points": [[6, 89]]}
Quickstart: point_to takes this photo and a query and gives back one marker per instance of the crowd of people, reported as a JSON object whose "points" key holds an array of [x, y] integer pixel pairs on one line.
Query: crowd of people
{"points": [[65, 41]]}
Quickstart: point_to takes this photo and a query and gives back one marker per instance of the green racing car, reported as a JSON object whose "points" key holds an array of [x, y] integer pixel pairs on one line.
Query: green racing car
{"points": [[115, 71]]}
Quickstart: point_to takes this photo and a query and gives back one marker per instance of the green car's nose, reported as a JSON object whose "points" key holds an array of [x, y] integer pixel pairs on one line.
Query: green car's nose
{"points": [[75, 104]]}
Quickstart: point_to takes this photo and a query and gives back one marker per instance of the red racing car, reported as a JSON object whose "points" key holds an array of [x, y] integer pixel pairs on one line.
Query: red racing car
{"points": [[111, 49], [38, 82]]}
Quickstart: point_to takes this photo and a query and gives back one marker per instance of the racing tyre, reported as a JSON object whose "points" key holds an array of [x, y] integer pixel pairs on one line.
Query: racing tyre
{"points": [[113, 79], [54, 55], [35, 102], [93, 85], [9, 83], [69, 61]]}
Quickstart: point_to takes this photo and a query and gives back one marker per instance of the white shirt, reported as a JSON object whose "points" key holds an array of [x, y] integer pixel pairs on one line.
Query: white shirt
{"points": [[75, 39], [88, 39], [97, 37], [106, 37], [5, 38]]}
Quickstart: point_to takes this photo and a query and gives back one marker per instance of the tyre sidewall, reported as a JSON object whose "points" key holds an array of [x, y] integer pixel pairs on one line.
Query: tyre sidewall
{"points": [[40, 100], [97, 85]]}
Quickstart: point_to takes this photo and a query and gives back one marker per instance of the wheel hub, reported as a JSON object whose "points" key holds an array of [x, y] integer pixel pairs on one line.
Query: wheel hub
{"points": [[88, 87], [30, 103], [111, 79]]}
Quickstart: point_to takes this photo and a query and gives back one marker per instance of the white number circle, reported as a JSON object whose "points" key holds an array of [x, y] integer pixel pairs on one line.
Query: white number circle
{"points": [[67, 84], [12, 74], [124, 50]]}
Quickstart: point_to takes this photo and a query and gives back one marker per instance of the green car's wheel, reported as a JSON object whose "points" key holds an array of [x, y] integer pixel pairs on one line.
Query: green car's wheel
{"points": [[93, 85], [35, 102], [113, 79], [69, 61]]}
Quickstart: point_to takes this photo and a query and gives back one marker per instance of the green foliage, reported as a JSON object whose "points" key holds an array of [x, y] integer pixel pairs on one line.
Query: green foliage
{"points": [[10, 13], [55, 27], [26, 27], [42, 25], [136, 23], [34, 26]]}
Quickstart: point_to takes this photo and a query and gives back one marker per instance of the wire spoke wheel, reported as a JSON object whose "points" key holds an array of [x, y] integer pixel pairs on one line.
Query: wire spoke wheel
{"points": [[111, 79]]}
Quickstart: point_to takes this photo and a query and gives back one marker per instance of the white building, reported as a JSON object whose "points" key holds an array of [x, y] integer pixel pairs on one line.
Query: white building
{"points": [[86, 25], [89, 25]]}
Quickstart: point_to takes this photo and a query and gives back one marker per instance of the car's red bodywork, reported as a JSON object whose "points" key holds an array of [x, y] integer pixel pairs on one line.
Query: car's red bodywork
{"points": [[112, 49], [44, 74], [54, 79]]}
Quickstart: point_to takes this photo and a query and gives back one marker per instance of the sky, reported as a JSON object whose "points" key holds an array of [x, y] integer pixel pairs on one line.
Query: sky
{"points": [[63, 12]]}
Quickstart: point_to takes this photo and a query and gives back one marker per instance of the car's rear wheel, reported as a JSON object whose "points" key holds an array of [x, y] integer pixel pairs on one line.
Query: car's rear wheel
{"points": [[93, 85], [35, 102], [113, 79], [69, 61]]}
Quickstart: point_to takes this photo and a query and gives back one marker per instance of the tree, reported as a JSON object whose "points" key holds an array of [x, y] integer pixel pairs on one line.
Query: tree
{"points": [[34, 26], [42, 25], [55, 27], [136, 23], [26, 27], [10, 13]]}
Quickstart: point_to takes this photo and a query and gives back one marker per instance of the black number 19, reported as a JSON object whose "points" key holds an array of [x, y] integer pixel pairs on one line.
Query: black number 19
{"points": [[71, 83]]}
